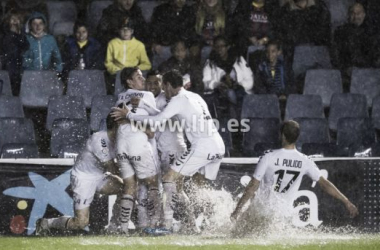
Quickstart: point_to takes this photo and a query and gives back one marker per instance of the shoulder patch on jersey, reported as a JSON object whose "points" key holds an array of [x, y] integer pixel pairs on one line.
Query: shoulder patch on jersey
{"points": [[103, 143]]}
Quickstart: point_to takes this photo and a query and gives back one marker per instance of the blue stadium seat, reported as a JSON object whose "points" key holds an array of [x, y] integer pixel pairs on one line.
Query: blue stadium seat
{"points": [[5, 83], [147, 7], [10, 106], [118, 87], [310, 57], [86, 83], [158, 59], [347, 105], [95, 11], [63, 28], [320, 149], [262, 130], [304, 106], [376, 112], [312, 130], [38, 86], [68, 132], [323, 82], [355, 135], [252, 49], [100, 108], [16, 130], [226, 136], [261, 106], [61, 11], [338, 11], [366, 82], [65, 107], [19, 150]]}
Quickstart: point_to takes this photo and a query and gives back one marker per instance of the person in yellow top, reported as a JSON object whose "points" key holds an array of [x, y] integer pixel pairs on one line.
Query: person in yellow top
{"points": [[126, 51]]}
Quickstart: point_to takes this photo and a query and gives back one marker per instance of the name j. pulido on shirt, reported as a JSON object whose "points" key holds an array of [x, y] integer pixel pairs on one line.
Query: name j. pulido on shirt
{"points": [[289, 163]]}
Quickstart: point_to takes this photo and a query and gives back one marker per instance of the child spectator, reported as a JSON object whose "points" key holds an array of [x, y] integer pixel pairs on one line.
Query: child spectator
{"points": [[271, 77], [114, 14], [13, 46], [227, 77], [43, 53], [82, 51], [126, 51], [180, 61]]}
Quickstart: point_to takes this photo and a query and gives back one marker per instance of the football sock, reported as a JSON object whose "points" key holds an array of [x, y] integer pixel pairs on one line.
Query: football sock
{"points": [[115, 219], [126, 204], [154, 206], [170, 199], [142, 211], [58, 223]]}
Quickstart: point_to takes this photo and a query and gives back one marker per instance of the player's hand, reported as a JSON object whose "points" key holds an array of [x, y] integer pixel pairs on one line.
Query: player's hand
{"points": [[352, 209], [119, 113], [135, 101]]}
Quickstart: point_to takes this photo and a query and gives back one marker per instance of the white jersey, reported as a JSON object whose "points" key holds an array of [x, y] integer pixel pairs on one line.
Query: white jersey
{"points": [[147, 96], [99, 149], [191, 110], [168, 141], [282, 171]]}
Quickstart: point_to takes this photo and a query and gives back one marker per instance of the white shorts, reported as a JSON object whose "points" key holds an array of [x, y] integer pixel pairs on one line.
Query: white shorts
{"points": [[204, 157], [167, 159], [84, 188], [135, 155]]}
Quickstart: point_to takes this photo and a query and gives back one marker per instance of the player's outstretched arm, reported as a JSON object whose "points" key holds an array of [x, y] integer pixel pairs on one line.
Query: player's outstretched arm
{"points": [[119, 113], [249, 193], [330, 188]]}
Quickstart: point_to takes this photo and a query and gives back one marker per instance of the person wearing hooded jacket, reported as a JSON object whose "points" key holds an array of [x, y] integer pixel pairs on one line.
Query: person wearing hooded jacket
{"points": [[43, 53]]}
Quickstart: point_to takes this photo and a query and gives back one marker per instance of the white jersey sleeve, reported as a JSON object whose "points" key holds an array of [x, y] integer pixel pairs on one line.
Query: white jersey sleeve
{"points": [[101, 149], [261, 167], [313, 171]]}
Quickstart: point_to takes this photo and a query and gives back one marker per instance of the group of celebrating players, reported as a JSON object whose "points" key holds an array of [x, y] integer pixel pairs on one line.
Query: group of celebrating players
{"points": [[133, 159]]}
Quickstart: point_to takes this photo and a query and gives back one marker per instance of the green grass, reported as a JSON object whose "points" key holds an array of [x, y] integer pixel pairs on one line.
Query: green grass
{"points": [[343, 242]]}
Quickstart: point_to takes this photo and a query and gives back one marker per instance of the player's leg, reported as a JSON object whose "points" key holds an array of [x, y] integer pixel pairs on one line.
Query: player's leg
{"points": [[142, 206], [127, 201], [154, 200]]}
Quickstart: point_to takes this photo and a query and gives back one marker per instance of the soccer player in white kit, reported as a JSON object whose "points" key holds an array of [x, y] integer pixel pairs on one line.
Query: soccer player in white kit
{"points": [[207, 147], [137, 157], [282, 170], [89, 176]]}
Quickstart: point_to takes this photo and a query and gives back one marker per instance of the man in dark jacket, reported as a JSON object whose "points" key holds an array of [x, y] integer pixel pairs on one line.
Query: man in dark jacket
{"points": [[114, 14]]}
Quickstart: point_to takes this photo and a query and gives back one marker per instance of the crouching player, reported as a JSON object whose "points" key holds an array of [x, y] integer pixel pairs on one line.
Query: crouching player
{"points": [[93, 172]]}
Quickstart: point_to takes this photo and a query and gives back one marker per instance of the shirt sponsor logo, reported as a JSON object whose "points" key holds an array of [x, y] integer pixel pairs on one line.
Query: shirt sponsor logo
{"points": [[124, 156], [214, 157]]}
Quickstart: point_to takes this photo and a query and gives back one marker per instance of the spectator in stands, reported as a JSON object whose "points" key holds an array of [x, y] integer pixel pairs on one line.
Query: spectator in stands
{"points": [[43, 53], [180, 61], [353, 43], [114, 14], [82, 51], [227, 77], [270, 74], [13, 45], [210, 23], [251, 24], [126, 51], [171, 22], [27, 7]]}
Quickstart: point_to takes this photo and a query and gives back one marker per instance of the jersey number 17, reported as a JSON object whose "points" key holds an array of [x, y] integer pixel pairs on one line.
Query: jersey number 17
{"points": [[281, 174]]}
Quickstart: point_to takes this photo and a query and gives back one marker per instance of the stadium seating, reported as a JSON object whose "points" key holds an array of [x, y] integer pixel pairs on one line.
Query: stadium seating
{"points": [[16, 130], [147, 7], [252, 49], [60, 12], [65, 107], [376, 112], [63, 28], [100, 108], [209, 99], [366, 82], [68, 133], [312, 130], [38, 86], [226, 136], [19, 150], [86, 83], [262, 131], [5, 83], [347, 105], [338, 11], [10, 106], [118, 87], [310, 57], [94, 13], [355, 135], [304, 106], [323, 82], [261, 106], [158, 59], [320, 149], [205, 54]]}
